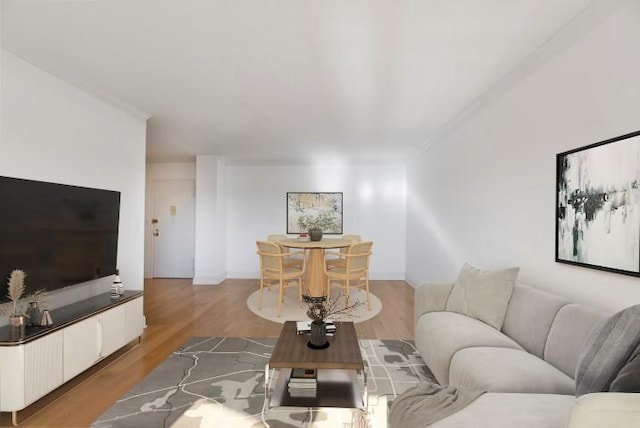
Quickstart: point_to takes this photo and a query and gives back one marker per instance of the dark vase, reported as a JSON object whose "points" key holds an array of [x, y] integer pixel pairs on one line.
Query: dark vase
{"points": [[315, 234], [318, 338], [33, 314]]}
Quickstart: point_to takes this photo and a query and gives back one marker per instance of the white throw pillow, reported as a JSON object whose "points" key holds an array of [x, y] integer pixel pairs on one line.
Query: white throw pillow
{"points": [[483, 295]]}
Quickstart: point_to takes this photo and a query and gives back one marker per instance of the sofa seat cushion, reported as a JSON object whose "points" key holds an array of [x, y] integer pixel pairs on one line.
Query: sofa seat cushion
{"points": [[439, 335], [509, 410], [606, 410], [507, 370]]}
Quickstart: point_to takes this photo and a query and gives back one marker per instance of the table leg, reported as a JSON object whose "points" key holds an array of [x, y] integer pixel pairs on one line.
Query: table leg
{"points": [[316, 280], [365, 391], [265, 404]]}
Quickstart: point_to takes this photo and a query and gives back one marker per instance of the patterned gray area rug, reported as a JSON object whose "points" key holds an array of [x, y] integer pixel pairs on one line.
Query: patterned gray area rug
{"points": [[214, 381]]}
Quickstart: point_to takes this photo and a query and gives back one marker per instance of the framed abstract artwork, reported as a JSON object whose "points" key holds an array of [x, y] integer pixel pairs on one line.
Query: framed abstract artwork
{"points": [[598, 205], [308, 209]]}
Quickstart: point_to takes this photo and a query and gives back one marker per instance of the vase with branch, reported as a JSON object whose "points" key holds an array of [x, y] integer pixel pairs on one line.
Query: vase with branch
{"points": [[316, 224], [17, 321], [320, 309]]}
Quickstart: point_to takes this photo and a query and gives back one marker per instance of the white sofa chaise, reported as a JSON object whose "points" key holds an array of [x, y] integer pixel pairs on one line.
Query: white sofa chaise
{"points": [[527, 367]]}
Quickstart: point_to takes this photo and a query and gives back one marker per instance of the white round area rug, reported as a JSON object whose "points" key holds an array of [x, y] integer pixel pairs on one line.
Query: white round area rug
{"points": [[294, 310]]}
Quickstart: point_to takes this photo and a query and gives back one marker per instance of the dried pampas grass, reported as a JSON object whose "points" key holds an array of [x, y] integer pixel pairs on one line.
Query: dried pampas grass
{"points": [[16, 287]]}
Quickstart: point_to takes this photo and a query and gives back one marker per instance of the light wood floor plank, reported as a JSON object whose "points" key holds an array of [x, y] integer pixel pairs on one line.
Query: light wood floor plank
{"points": [[175, 311]]}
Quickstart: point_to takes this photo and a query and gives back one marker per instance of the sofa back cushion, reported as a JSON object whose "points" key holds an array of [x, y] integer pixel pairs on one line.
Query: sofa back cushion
{"points": [[529, 317], [483, 295], [569, 331]]}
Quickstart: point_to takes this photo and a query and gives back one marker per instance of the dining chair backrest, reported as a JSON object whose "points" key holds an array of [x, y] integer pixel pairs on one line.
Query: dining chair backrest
{"points": [[354, 238], [269, 255], [276, 238], [359, 253]]}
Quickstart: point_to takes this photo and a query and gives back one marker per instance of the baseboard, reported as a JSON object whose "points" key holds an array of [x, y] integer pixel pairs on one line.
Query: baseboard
{"points": [[389, 276], [208, 280], [243, 275], [412, 283]]}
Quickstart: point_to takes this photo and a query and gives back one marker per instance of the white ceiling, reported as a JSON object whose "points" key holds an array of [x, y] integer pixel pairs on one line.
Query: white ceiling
{"points": [[285, 79]]}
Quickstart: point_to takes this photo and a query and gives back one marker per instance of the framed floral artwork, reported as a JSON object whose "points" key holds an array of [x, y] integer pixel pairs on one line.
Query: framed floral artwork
{"points": [[306, 210]]}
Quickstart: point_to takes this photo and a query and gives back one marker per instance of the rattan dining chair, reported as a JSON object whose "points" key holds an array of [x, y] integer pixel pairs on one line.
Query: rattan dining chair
{"points": [[355, 273], [274, 267], [297, 257], [333, 258]]}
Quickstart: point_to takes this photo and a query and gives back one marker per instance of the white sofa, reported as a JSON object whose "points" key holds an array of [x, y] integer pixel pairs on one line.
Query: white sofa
{"points": [[527, 368]]}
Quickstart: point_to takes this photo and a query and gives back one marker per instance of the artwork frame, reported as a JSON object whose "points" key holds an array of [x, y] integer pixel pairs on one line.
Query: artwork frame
{"points": [[598, 205], [311, 205]]}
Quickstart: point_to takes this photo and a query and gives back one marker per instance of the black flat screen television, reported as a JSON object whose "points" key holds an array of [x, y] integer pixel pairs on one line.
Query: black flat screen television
{"points": [[60, 235]]}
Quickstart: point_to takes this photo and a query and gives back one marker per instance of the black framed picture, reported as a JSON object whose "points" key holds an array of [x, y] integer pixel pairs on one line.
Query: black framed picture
{"points": [[598, 205], [306, 210]]}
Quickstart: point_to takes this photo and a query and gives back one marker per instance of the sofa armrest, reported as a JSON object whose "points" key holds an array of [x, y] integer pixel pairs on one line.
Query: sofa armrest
{"points": [[430, 297], [606, 409]]}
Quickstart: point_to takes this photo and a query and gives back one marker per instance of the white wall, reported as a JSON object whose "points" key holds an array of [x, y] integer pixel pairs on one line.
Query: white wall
{"points": [[374, 207], [211, 245], [485, 193], [52, 131], [160, 171], [237, 204]]}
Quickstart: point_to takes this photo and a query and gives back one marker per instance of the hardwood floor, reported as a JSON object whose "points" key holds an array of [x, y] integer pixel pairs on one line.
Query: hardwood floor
{"points": [[175, 311]]}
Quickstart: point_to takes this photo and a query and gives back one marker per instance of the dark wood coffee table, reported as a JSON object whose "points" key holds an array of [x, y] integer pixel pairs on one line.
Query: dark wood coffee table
{"points": [[339, 368]]}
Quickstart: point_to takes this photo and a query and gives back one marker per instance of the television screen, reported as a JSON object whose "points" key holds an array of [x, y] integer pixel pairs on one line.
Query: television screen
{"points": [[60, 235]]}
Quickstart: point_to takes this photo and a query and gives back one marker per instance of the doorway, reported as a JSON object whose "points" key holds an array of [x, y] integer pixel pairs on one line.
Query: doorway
{"points": [[173, 228]]}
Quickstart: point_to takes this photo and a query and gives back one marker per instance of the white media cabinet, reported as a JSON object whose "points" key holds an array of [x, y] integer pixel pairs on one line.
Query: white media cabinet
{"points": [[82, 334]]}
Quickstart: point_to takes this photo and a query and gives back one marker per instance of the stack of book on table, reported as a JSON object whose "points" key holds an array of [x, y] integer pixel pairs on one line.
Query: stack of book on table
{"points": [[304, 327], [303, 382]]}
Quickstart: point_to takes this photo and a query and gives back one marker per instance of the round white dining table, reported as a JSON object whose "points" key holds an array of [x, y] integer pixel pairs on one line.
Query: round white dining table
{"points": [[315, 278]]}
